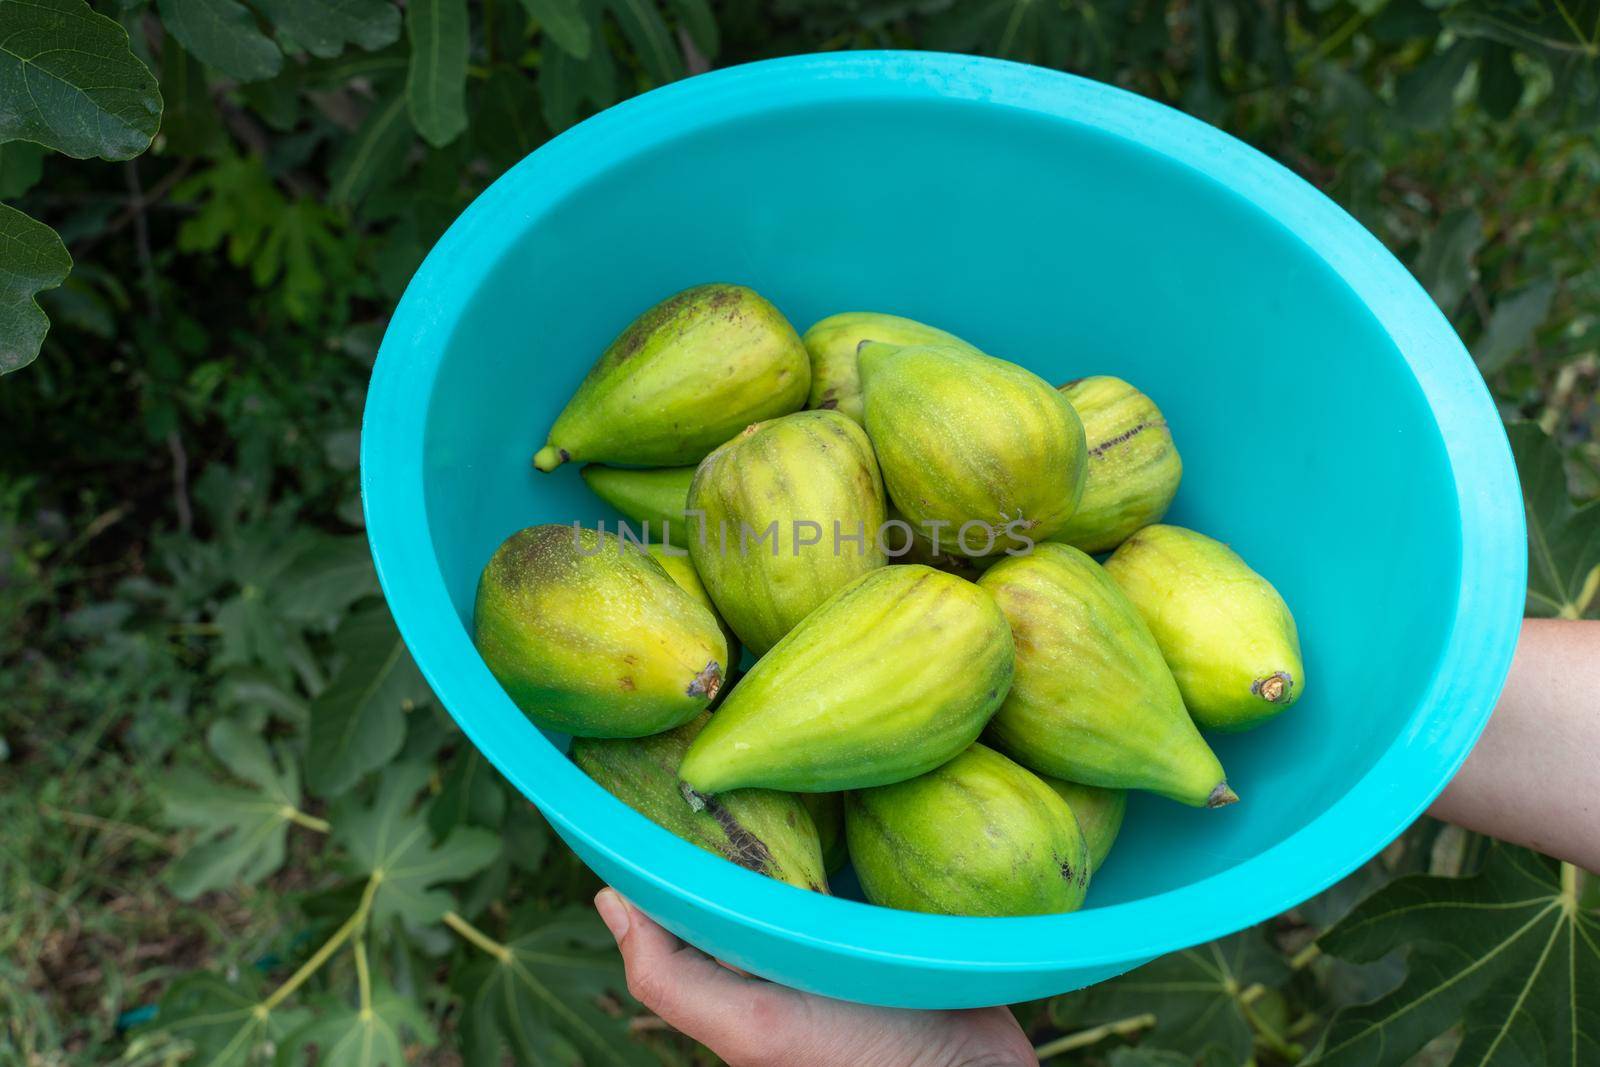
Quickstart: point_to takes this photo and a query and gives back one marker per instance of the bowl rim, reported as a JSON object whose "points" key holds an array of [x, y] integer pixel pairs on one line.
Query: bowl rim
{"points": [[1443, 725]]}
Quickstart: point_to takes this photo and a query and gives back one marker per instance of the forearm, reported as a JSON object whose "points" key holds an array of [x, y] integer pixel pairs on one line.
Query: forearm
{"points": [[1534, 777]]}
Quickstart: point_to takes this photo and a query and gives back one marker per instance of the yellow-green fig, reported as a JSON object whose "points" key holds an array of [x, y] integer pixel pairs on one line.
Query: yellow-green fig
{"points": [[1099, 812], [687, 375], [789, 512], [827, 813], [905, 543], [1134, 467], [589, 636], [890, 677], [832, 344], [977, 836], [978, 448], [761, 830], [1224, 630], [1092, 700], [654, 498], [676, 562]]}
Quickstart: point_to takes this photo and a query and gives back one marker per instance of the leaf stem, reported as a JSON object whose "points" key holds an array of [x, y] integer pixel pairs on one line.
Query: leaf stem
{"points": [[363, 977], [1084, 1038], [356, 921], [1266, 1033], [310, 822], [476, 936], [312, 965], [1305, 957]]}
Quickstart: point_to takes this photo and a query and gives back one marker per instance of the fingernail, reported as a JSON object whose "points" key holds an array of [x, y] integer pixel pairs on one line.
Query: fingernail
{"points": [[613, 912]]}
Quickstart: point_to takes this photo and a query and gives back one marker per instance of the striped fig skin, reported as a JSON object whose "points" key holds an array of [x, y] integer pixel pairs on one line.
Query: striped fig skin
{"points": [[890, 677], [832, 344], [801, 476], [688, 374], [681, 570], [979, 835], [761, 830], [592, 638], [1224, 630], [1099, 812], [966, 438], [1093, 701], [1134, 467]]}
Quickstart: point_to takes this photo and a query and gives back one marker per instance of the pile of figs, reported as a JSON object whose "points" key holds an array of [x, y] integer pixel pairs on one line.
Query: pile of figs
{"points": [[946, 689]]}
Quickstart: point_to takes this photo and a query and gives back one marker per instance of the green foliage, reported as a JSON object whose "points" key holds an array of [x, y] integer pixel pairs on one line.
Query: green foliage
{"points": [[355, 1035], [241, 830], [219, 1020], [1205, 996], [358, 722], [521, 999], [235, 798], [436, 83], [71, 84], [35, 261], [1563, 540], [1510, 954], [390, 844]]}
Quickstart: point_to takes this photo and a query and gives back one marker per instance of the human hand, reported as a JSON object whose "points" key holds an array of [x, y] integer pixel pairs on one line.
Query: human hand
{"points": [[754, 1023]]}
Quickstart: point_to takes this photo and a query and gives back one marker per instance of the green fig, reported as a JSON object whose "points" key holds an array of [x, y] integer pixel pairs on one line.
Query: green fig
{"points": [[652, 498], [905, 543], [827, 813], [789, 512], [1099, 812], [1134, 468], [832, 344], [1092, 700], [761, 830], [680, 569], [589, 636], [977, 836], [687, 375], [1224, 630], [891, 676], [980, 449]]}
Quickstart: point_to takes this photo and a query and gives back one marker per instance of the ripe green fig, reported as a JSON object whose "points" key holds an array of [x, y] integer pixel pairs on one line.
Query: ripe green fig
{"points": [[977, 836], [891, 676], [790, 511], [652, 498], [589, 636], [905, 543], [687, 375], [1092, 700], [761, 830], [832, 344], [976, 447], [1099, 813], [1134, 468], [680, 569], [1224, 630], [827, 812]]}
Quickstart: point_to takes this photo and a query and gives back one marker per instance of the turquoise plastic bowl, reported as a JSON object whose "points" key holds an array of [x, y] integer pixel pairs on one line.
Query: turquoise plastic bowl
{"points": [[1333, 430]]}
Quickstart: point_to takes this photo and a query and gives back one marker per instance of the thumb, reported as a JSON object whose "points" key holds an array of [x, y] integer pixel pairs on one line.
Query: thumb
{"points": [[688, 989]]}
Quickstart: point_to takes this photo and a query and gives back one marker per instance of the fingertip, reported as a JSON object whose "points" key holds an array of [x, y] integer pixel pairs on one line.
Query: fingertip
{"points": [[614, 912]]}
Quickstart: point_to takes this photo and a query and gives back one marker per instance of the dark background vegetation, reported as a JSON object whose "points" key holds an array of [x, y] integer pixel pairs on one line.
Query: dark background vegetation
{"points": [[210, 738]]}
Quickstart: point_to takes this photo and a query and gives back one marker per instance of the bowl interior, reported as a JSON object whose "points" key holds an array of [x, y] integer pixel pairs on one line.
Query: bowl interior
{"points": [[1307, 442]]}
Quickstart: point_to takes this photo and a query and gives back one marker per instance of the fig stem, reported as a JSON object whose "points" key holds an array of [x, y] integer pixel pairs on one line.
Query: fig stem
{"points": [[708, 682], [550, 457], [1274, 687], [1222, 796]]}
